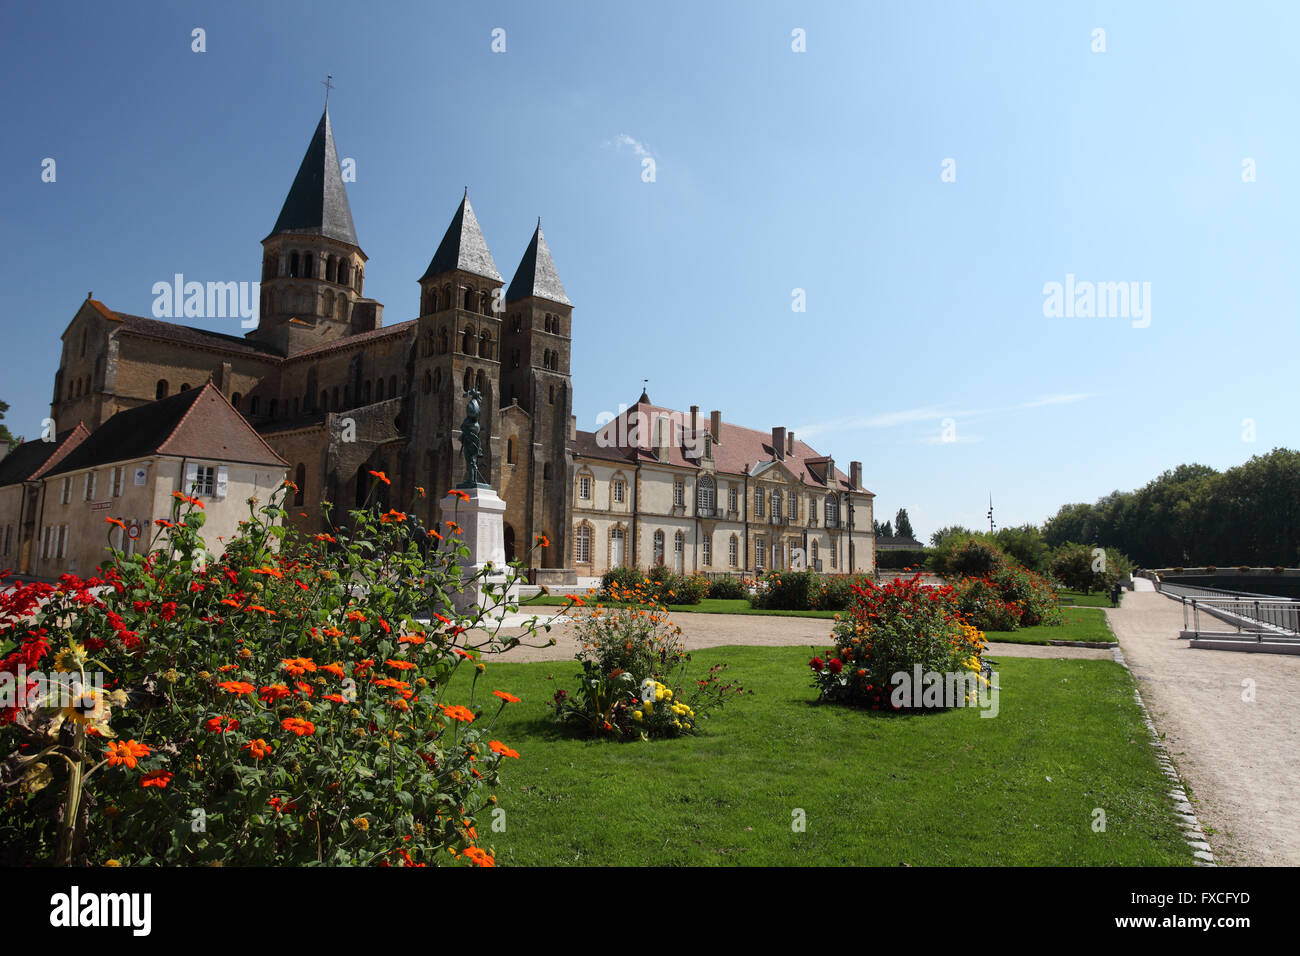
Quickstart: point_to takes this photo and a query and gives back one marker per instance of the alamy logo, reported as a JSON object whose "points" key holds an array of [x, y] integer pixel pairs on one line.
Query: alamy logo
{"points": [[933, 690], [1102, 300], [216, 300], [102, 909], [648, 430]]}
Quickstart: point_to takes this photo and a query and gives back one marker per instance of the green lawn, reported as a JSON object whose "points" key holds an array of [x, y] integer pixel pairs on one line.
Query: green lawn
{"points": [[707, 606], [946, 788], [1081, 624], [1079, 599]]}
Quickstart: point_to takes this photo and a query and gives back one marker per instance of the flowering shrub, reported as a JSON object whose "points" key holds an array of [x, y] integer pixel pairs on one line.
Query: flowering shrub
{"points": [[727, 588], [633, 673], [661, 585], [285, 704], [804, 591], [892, 629]]}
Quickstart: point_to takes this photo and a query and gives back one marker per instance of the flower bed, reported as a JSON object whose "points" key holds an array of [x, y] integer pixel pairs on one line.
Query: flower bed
{"points": [[280, 706]]}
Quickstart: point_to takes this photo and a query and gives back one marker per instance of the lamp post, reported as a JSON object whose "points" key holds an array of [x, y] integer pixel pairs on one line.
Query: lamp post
{"points": [[848, 507]]}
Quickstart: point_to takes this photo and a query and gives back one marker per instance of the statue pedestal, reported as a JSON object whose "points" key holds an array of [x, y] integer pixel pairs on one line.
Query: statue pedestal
{"points": [[482, 530]]}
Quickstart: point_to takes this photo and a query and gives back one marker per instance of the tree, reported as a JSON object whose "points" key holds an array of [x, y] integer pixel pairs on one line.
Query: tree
{"points": [[885, 531], [953, 530], [5, 434], [902, 525], [1026, 545]]}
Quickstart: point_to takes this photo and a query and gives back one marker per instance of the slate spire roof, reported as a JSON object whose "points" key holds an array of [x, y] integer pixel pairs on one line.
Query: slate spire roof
{"points": [[317, 203], [536, 274], [463, 247]]}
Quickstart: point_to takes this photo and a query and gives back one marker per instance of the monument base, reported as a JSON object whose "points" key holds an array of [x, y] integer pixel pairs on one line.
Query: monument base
{"points": [[482, 530]]}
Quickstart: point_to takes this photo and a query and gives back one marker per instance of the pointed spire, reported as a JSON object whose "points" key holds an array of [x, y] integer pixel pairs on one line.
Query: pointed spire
{"points": [[463, 247], [536, 274], [317, 203]]}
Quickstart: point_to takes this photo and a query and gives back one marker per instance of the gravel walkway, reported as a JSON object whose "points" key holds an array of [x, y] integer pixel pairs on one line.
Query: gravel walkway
{"points": [[1237, 757]]}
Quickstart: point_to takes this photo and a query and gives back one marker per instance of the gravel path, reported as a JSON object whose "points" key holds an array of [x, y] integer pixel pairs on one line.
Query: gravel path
{"points": [[701, 631], [1237, 757]]}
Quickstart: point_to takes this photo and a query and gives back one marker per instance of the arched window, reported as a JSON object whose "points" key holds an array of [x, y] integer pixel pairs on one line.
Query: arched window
{"points": [[705, 495], [359, 278], [442, 342], [832, 511], [331, 267], [469, 379], [300, 479], [446, 297], [480, 382], [659, 547], [510, 451], [379, 389], [485, 303], [469, 300], [184, 388], [308, 259], [253, 405], [582, 545], [546, 471], [551, 394], [293, 265], [234, 400], [467, 340], [428, 382], [812, 553], [160, 391], [343, 272], [485, 345]]}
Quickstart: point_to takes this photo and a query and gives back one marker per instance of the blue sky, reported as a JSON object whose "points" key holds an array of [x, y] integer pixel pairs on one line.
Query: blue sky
{"points": [[774, 171]]}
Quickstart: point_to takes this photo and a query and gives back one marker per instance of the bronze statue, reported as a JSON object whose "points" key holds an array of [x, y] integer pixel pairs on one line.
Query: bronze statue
{"points": [[470, 444]]}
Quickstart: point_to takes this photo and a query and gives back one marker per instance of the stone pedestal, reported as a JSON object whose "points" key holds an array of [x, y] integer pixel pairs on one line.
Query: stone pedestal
{"points": [[482, 530]]}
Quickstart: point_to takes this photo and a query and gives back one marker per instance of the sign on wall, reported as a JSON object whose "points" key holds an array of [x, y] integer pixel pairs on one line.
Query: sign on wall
{"points": [[101, 505], [140, 475]]}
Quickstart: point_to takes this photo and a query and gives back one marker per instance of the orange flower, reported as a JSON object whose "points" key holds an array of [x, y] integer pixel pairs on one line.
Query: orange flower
{"points": [[297, 666], [459, 494], [219, 725], [392, 683], [259, 748], [227, 668], [356, 616], [117, 521], [126, 753], [433, 534], [336, 698], [391, 515], [411, 639], [419, 490], [327, 537], [273, 572], [401, 665], [508, 698], [381, 476], [479, 857], [453, 526], [497, 747], [457, 712], [544, 541], [156, 778], [298, 726], [335, 669], [236, 687], [273, 692]]}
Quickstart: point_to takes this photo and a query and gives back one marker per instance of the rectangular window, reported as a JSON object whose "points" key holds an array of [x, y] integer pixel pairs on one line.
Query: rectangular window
{"points": [[67, 491], [760, 554], [90, 485], [618, 492], [835, 553], [732, 556], [679, 493], [758, 503], [584, 487], [118, 474], [45, 542], [708, 552], [776, 505], [794, 507], [582, 546], [63, 541], [731, 500], [205, 480]]}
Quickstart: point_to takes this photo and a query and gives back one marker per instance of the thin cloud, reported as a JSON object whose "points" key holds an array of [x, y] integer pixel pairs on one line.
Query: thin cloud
{"points": [[931, 413], [638, 147]]}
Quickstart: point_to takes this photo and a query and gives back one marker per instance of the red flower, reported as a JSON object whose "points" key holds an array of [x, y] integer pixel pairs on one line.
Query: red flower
{"points": [[835, 665], [382, 477], [156, 778], [817, 664]]}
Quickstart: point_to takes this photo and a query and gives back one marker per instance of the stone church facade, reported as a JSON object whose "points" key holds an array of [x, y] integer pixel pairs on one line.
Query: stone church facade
{"points": [[338, 394]]}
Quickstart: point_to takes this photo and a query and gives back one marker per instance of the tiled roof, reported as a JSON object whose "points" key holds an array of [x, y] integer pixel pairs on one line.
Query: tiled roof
{"points": [[463, 247], [185, 335], [197, 423], [536, 275], [739, 451], [401, 328], [32, 459], [317, 203]]}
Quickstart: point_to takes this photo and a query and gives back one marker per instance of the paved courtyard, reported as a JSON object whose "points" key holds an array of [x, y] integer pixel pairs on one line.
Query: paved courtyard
{"points": [[1238, 757]]}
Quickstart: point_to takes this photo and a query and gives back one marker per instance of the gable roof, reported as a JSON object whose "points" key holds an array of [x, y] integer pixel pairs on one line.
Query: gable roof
{"points": [[198, 423], [184, 334], [739, 450], [536, 275], [32, 459], [317, 203], [463, 247]]}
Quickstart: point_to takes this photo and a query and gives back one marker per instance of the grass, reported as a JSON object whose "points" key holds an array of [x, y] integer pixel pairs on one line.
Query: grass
{"points": [[946, 788], [1079, 599], [707, 606], [1081, 624]]}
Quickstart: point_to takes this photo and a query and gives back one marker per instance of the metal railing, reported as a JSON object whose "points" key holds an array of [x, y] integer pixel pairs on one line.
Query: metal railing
{"points": [[1261, 618]]}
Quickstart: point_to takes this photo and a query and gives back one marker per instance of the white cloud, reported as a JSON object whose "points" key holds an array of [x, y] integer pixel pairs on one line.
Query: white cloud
{"points": [[623, 139]]}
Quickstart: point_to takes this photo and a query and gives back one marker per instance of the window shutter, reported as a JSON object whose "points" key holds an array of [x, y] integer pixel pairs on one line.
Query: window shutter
{"points": [[222, 474], [191, 476]]}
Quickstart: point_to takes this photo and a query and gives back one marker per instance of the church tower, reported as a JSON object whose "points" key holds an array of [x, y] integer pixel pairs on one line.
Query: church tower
{"points": [[313, 269], [536, 394], [459, 331]]}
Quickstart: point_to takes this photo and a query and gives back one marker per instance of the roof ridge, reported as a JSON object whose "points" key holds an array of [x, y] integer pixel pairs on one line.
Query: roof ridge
{"points": [[181, 421]]}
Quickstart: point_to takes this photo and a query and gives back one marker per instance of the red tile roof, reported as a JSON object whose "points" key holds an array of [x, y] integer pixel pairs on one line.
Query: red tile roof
{"points": [[630, 438]]}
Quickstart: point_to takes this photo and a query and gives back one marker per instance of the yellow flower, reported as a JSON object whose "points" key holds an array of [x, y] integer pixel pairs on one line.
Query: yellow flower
{"points": [[636, 715]]}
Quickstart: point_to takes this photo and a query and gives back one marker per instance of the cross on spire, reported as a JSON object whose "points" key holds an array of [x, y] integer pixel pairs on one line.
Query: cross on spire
{"points": [[328, 86]]}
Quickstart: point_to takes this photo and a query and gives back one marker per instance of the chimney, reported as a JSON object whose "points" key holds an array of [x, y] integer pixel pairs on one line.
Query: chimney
{"points": [[715, 425], [695, 420], [789, 443], [855, 475], [778, 442]]}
